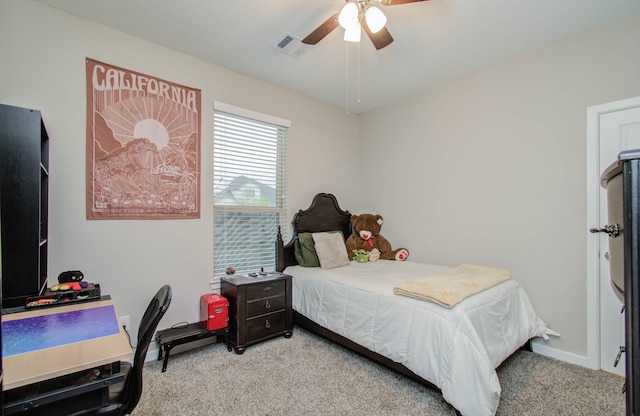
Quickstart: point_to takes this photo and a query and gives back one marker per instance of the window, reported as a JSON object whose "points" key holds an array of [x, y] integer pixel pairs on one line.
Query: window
{"points": [[249, 188]]}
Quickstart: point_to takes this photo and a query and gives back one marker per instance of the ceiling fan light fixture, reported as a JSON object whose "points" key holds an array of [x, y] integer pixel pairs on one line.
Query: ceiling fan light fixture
{"points": [[375, 19], [352, 34], [348, 16]]}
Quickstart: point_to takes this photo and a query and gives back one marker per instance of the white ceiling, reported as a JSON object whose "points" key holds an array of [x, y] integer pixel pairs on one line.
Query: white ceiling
{"points": [[435, 41]]}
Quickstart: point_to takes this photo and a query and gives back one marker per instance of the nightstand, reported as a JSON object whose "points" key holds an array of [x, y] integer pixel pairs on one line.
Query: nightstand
{"points": [[259, 308]]}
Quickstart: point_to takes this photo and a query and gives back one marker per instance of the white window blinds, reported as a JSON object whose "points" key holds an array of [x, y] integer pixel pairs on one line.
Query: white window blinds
{"points": [[249, 188]]}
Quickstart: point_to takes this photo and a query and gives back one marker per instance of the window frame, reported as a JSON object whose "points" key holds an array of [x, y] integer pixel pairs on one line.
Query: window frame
{"points": [[280, 207]]}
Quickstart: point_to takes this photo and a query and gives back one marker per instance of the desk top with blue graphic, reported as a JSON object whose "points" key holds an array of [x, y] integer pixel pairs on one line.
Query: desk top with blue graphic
{"points": [[53, 330], [42, 344]]}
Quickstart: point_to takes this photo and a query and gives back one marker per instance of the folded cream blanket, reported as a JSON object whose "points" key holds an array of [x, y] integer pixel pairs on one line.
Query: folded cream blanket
{"points": [[449, 288]]}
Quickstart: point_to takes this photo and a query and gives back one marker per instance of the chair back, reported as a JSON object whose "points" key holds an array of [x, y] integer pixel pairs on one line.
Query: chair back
{"points": [[148, 324]]}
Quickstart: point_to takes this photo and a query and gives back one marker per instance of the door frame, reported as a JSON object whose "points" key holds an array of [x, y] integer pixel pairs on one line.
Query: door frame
{"points": [[593, 217]]}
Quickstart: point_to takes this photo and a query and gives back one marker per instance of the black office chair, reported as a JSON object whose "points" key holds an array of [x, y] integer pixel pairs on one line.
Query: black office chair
{"points": [[124, 397]]}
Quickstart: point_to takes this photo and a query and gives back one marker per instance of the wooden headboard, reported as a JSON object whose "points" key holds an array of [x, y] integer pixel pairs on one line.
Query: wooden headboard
{"points": [[324, 214]]}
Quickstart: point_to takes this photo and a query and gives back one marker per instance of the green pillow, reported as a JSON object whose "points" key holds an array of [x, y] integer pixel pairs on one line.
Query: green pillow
{"points": [[304, 251]]}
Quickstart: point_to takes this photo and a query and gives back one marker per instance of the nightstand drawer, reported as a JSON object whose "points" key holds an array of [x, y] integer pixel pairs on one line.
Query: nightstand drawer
{"points": [[265, 325], [266, 289], [266, 305]]}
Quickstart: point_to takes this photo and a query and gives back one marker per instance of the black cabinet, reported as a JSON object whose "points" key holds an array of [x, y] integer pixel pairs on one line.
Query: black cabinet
{"points": [[24, 184], [259, 308], [1, 367]]}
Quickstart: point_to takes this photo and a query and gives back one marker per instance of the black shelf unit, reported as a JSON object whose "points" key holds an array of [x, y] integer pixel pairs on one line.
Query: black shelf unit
{"points": [[24, 187]]}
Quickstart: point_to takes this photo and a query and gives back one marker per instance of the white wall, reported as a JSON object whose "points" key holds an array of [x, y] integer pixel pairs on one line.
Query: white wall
{"points": [[43, 67], [491, 168]]}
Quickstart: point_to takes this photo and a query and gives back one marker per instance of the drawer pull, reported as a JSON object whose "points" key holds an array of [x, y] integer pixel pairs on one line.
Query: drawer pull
{"points": [[267, 305], [267, 324], [266, 289]]}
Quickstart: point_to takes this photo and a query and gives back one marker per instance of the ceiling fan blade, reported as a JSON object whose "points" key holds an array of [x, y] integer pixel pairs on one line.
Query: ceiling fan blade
{"points": [[396, 2], [321, 31], [380, 39]]}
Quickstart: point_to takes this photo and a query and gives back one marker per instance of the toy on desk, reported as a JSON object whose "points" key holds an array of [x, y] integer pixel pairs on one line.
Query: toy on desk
{"points": [[70, 288], [70, 276], [71, 280], [40, 302]]}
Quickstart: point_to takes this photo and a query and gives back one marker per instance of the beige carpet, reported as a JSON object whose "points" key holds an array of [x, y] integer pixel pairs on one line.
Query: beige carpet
{"points": [[307, 375]]}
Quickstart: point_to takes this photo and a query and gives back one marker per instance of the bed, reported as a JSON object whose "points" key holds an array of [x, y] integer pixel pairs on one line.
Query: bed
{"points": [[455, 350]]}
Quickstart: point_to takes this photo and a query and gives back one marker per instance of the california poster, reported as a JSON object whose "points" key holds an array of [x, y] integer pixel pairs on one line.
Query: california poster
{"points": [[143, 146]]}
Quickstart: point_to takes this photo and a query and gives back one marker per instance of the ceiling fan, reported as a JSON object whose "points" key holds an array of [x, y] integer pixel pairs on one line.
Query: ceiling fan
{"points": [[357, 14]]}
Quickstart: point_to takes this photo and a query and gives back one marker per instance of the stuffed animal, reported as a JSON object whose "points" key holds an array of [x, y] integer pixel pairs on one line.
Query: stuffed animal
{"points": [[70, 280], [361, 256], [70, 276], [374, 255], [366, 235]]}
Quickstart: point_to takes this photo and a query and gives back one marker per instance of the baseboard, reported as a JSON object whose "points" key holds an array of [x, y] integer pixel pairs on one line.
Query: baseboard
{"points": [[152, 354], [542, 349]]}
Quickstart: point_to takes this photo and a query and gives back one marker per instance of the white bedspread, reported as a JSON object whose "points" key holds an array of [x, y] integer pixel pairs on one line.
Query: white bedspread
{"points": [[456, 349]]}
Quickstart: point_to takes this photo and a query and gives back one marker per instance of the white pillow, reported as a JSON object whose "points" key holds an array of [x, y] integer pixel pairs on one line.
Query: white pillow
{"points": [[331, 250]]}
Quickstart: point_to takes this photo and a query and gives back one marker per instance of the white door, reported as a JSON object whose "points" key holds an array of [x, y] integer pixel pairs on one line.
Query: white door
{"points": [[617, 128]]}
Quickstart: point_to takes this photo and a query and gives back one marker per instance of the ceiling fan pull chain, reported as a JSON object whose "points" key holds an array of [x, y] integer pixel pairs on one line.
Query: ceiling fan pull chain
{"points": [[346, 67], [358, 80]]}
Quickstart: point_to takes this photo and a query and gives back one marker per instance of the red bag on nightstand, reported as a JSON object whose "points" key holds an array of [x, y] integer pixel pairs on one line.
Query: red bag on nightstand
{"points": [[214, 311]]}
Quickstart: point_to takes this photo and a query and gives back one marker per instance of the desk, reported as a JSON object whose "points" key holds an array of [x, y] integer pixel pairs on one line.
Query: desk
{"points": [[43, 344]]}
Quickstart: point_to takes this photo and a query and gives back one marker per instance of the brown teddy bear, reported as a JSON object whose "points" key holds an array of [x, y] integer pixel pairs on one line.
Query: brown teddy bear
{"points": [[366, 235]]}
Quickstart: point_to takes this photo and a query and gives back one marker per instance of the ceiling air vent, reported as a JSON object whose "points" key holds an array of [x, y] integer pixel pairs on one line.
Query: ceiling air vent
{"points": [[292, 45]]}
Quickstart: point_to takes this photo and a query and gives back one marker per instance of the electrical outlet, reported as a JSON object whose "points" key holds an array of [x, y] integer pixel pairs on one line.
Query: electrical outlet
{"points": [[125, 321]]}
